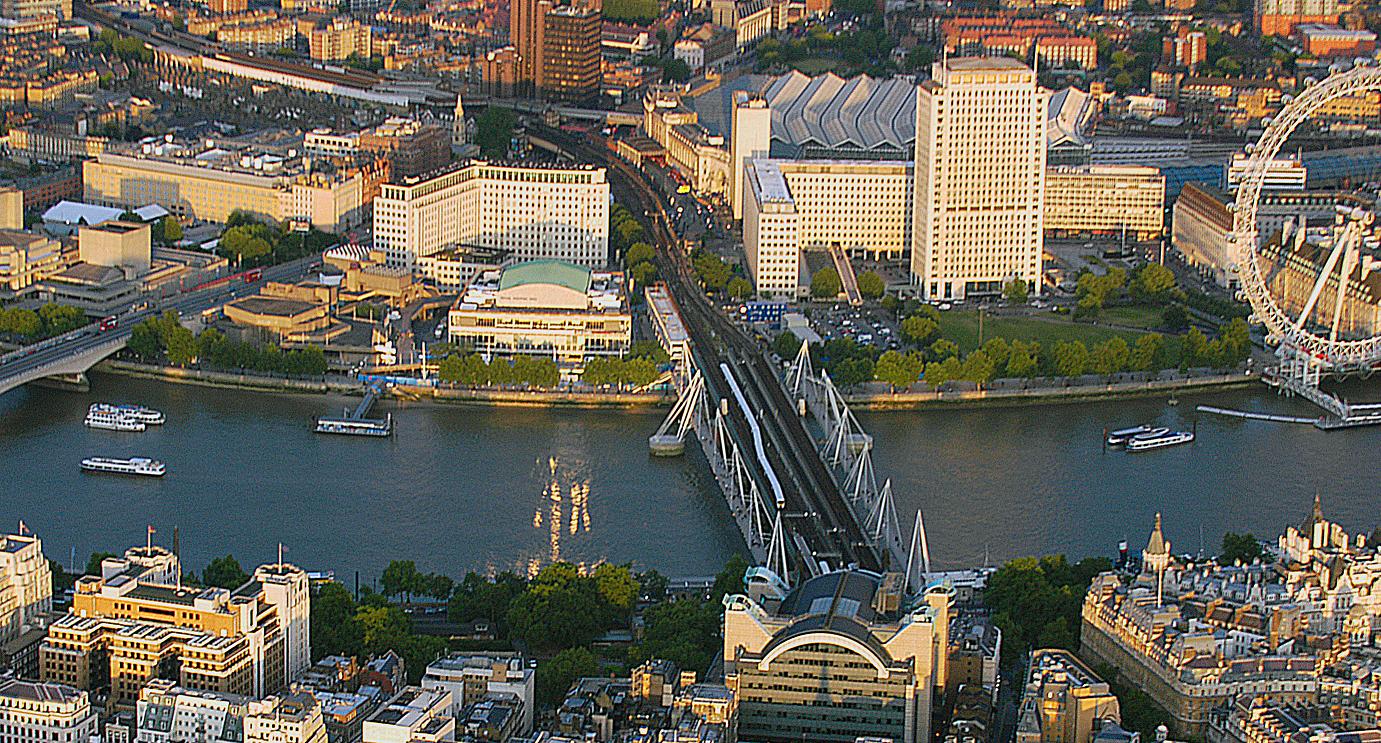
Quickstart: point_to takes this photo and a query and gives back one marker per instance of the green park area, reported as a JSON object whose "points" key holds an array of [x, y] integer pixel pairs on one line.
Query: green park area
{"points": [[962, 327]]}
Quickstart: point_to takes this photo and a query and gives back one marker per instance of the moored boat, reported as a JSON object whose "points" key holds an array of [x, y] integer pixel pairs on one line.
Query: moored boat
{"points": [[147, 416], [1160, 440], [111, 421], [1123, 435]]}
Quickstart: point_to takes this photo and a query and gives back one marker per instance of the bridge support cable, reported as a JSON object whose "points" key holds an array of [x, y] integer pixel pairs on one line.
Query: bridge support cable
{"points": [[918, 563], [881, 524], [685, 415]]}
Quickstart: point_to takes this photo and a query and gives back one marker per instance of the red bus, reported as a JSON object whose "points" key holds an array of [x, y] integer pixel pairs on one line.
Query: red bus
{"points": [[253, 275], [108, 323]]}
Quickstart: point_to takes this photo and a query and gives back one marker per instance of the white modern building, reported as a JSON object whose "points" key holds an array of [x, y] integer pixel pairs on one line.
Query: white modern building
{"points": [[44, 712], [751, 121], [1282, 173], [26, 584], [980, 178], [1105, 200], [549, 309], [861, 206], [413, 714], [168, 713], [771, 231], [469, 678], [557, 213]]}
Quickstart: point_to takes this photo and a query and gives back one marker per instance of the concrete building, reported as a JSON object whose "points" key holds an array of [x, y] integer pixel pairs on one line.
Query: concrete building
{"points": [[168, 713], [11, 208], [470, 678], [667, 324], [843, 655], [1187, 48], [134, 623], [26, 584], [211, 183], [21, 10], [1282, 173], [544, 308], [862, 207], [27, 258], [117, 244], [339, 39], [1105, 200], [1199, 229], [1064, 701], [1293, 266], [32, 711], [750, 20], [1327, 42], [751, 128], [558, 213], [412, 147], [980, 178], [414, 714], [1280, 17], [706, 46], [571, 45]]}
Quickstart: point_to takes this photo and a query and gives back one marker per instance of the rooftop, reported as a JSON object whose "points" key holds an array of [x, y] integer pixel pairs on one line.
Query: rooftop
{"points": [[573, 277]]}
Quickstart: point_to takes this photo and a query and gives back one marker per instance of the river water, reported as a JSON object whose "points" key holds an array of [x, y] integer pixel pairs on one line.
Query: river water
{"points": [[479, 488]]}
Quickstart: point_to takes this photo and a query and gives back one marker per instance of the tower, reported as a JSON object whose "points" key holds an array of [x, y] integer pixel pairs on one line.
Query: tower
{"points": [[459, 135], [752, 136], [980, 178], [287, 588], [1156, 559]]}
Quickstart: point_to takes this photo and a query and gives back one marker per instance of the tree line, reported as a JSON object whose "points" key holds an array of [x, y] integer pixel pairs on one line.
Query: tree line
{"points": [[163, 338], [47, 321], [525, 371], [252, 242]]}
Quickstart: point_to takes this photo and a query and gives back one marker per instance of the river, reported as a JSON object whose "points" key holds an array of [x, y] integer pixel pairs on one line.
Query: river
{"points": [[481, 488]]}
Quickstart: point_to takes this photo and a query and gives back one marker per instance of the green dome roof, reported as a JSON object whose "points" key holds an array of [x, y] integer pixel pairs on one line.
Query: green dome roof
{"points": [[568, 275]]}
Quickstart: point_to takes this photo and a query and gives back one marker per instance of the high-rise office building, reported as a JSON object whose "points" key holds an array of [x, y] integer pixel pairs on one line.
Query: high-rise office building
{"points": [[558, 47], [751, 125], [980, 178], [571, 44]]}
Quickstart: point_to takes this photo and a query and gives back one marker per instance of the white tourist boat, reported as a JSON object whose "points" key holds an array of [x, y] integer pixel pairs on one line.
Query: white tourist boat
{"points": [[113, 421], [1159, 440], [132, 466], [147, 416]]}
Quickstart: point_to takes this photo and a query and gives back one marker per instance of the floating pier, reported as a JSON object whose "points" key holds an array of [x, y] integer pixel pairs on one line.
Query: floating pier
{"points": [[356, 424]]}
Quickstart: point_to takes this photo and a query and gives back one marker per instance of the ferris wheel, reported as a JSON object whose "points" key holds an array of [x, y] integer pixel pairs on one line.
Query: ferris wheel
{"points": [[1308, 337]]}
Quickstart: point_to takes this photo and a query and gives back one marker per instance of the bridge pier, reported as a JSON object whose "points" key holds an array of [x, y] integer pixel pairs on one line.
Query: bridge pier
{"points": [[77, 382]]}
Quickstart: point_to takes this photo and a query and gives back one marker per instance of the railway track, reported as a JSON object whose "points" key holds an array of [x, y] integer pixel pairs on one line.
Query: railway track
{"points": [[814, 508]]}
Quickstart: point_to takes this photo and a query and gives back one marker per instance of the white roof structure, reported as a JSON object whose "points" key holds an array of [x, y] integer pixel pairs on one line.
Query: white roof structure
{"points": [[1067, 117], [77, 213], [830, 112], [151, 212]]}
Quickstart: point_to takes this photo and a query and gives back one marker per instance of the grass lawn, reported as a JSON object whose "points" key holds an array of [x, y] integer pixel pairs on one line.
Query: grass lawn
{"points": [[1136, 317], [961, 326]]}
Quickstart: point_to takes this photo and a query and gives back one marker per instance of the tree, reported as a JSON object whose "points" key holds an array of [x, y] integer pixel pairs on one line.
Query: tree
{"points": [[978, 367], [940, 372], [1023, 360], [714, 273], [1240, 548], [729, 580], [93, 563], [401, 577], [638, 253], [786, 345], [335, 629], [739, 288], [181, 346], [675, 71], [1174, 318], [1148, 353], [1236, 342], [478, 597], [1152, 282], [918, 329], [1036, 602], [224, 572], [871, 285], [170, 230], [1192, 348], [555, 676], [685, 632], [898, 369], [1015, 291], [559, 609], [618, 588], [825, 284], [494, 131], [943, 349], [1110, 356], [1071, 358]]}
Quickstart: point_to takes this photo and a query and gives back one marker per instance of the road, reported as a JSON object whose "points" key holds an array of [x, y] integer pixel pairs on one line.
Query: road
{"points": [[814, 509], [54, 351]]}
